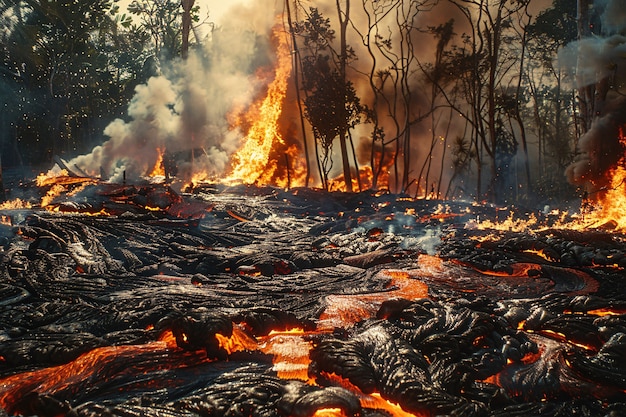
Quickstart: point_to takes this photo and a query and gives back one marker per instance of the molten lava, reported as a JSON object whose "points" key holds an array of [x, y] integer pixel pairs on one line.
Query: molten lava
{"points": [[343, 310]]}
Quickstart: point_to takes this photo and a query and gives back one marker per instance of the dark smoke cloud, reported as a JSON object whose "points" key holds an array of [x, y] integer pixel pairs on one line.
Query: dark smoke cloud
{"points": [[595, 59], [600, 149]]}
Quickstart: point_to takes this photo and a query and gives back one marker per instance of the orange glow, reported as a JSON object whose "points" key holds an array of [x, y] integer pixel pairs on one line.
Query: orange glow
{"points": [[563, 338], [252, 160], [159, 169], [294, 331], [74, 373], [373, 400], [431, 263], [344, 310], [330, 412], [169, 339], [539, 253], [290, 351], [601, 312], [15, 204], [612, 200], [606, 312], [519, 269], [238, 342]]}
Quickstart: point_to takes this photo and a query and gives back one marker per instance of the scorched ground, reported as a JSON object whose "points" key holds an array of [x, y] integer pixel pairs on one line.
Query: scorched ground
{"points": [[139, 301]]}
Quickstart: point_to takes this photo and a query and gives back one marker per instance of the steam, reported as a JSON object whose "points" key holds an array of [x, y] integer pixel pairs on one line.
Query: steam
{"points": [[595, 59], [186, 109]]}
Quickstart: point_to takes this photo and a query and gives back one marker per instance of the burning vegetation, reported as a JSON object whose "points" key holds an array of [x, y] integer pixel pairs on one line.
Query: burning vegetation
{"points": [[211, 259]]}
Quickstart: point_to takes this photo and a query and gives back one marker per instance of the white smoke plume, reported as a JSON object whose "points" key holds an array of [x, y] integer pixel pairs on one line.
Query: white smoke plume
{"points": [[598, 57], [187, 107]]}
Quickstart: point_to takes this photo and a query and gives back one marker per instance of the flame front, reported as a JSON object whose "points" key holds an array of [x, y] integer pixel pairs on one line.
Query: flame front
{"points": [[252, 160], [159, 167], [613, 199]]}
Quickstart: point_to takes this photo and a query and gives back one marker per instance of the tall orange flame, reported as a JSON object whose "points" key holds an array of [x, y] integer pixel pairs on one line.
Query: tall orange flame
{"points": [[252, 160], [159, 168], [613, 199]]}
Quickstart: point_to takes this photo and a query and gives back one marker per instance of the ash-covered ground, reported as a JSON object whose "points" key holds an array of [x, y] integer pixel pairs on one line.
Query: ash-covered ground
{"points": [[127, 300]]}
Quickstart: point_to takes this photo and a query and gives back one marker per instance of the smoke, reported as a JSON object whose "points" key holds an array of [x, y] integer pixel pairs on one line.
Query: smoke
{"points": [[600, 149], [192, 107], [186, 110], [613, 15], [595, 59]]}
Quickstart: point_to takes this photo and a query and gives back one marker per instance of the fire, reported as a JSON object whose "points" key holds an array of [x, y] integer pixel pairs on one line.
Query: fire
{"points": [[364, 182], [612, 200], [252, 160], [18, 203], [511, 223], [239, 341], [53, 192], [539, 253], [50, 177], [606, 210], [159, 167]]}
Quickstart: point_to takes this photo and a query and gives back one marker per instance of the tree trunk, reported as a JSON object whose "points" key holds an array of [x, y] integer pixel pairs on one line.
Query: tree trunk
{"points": [[518, 114], [585, 92], [343, 25], [296, 80], [187, 5], [494, 49]]}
